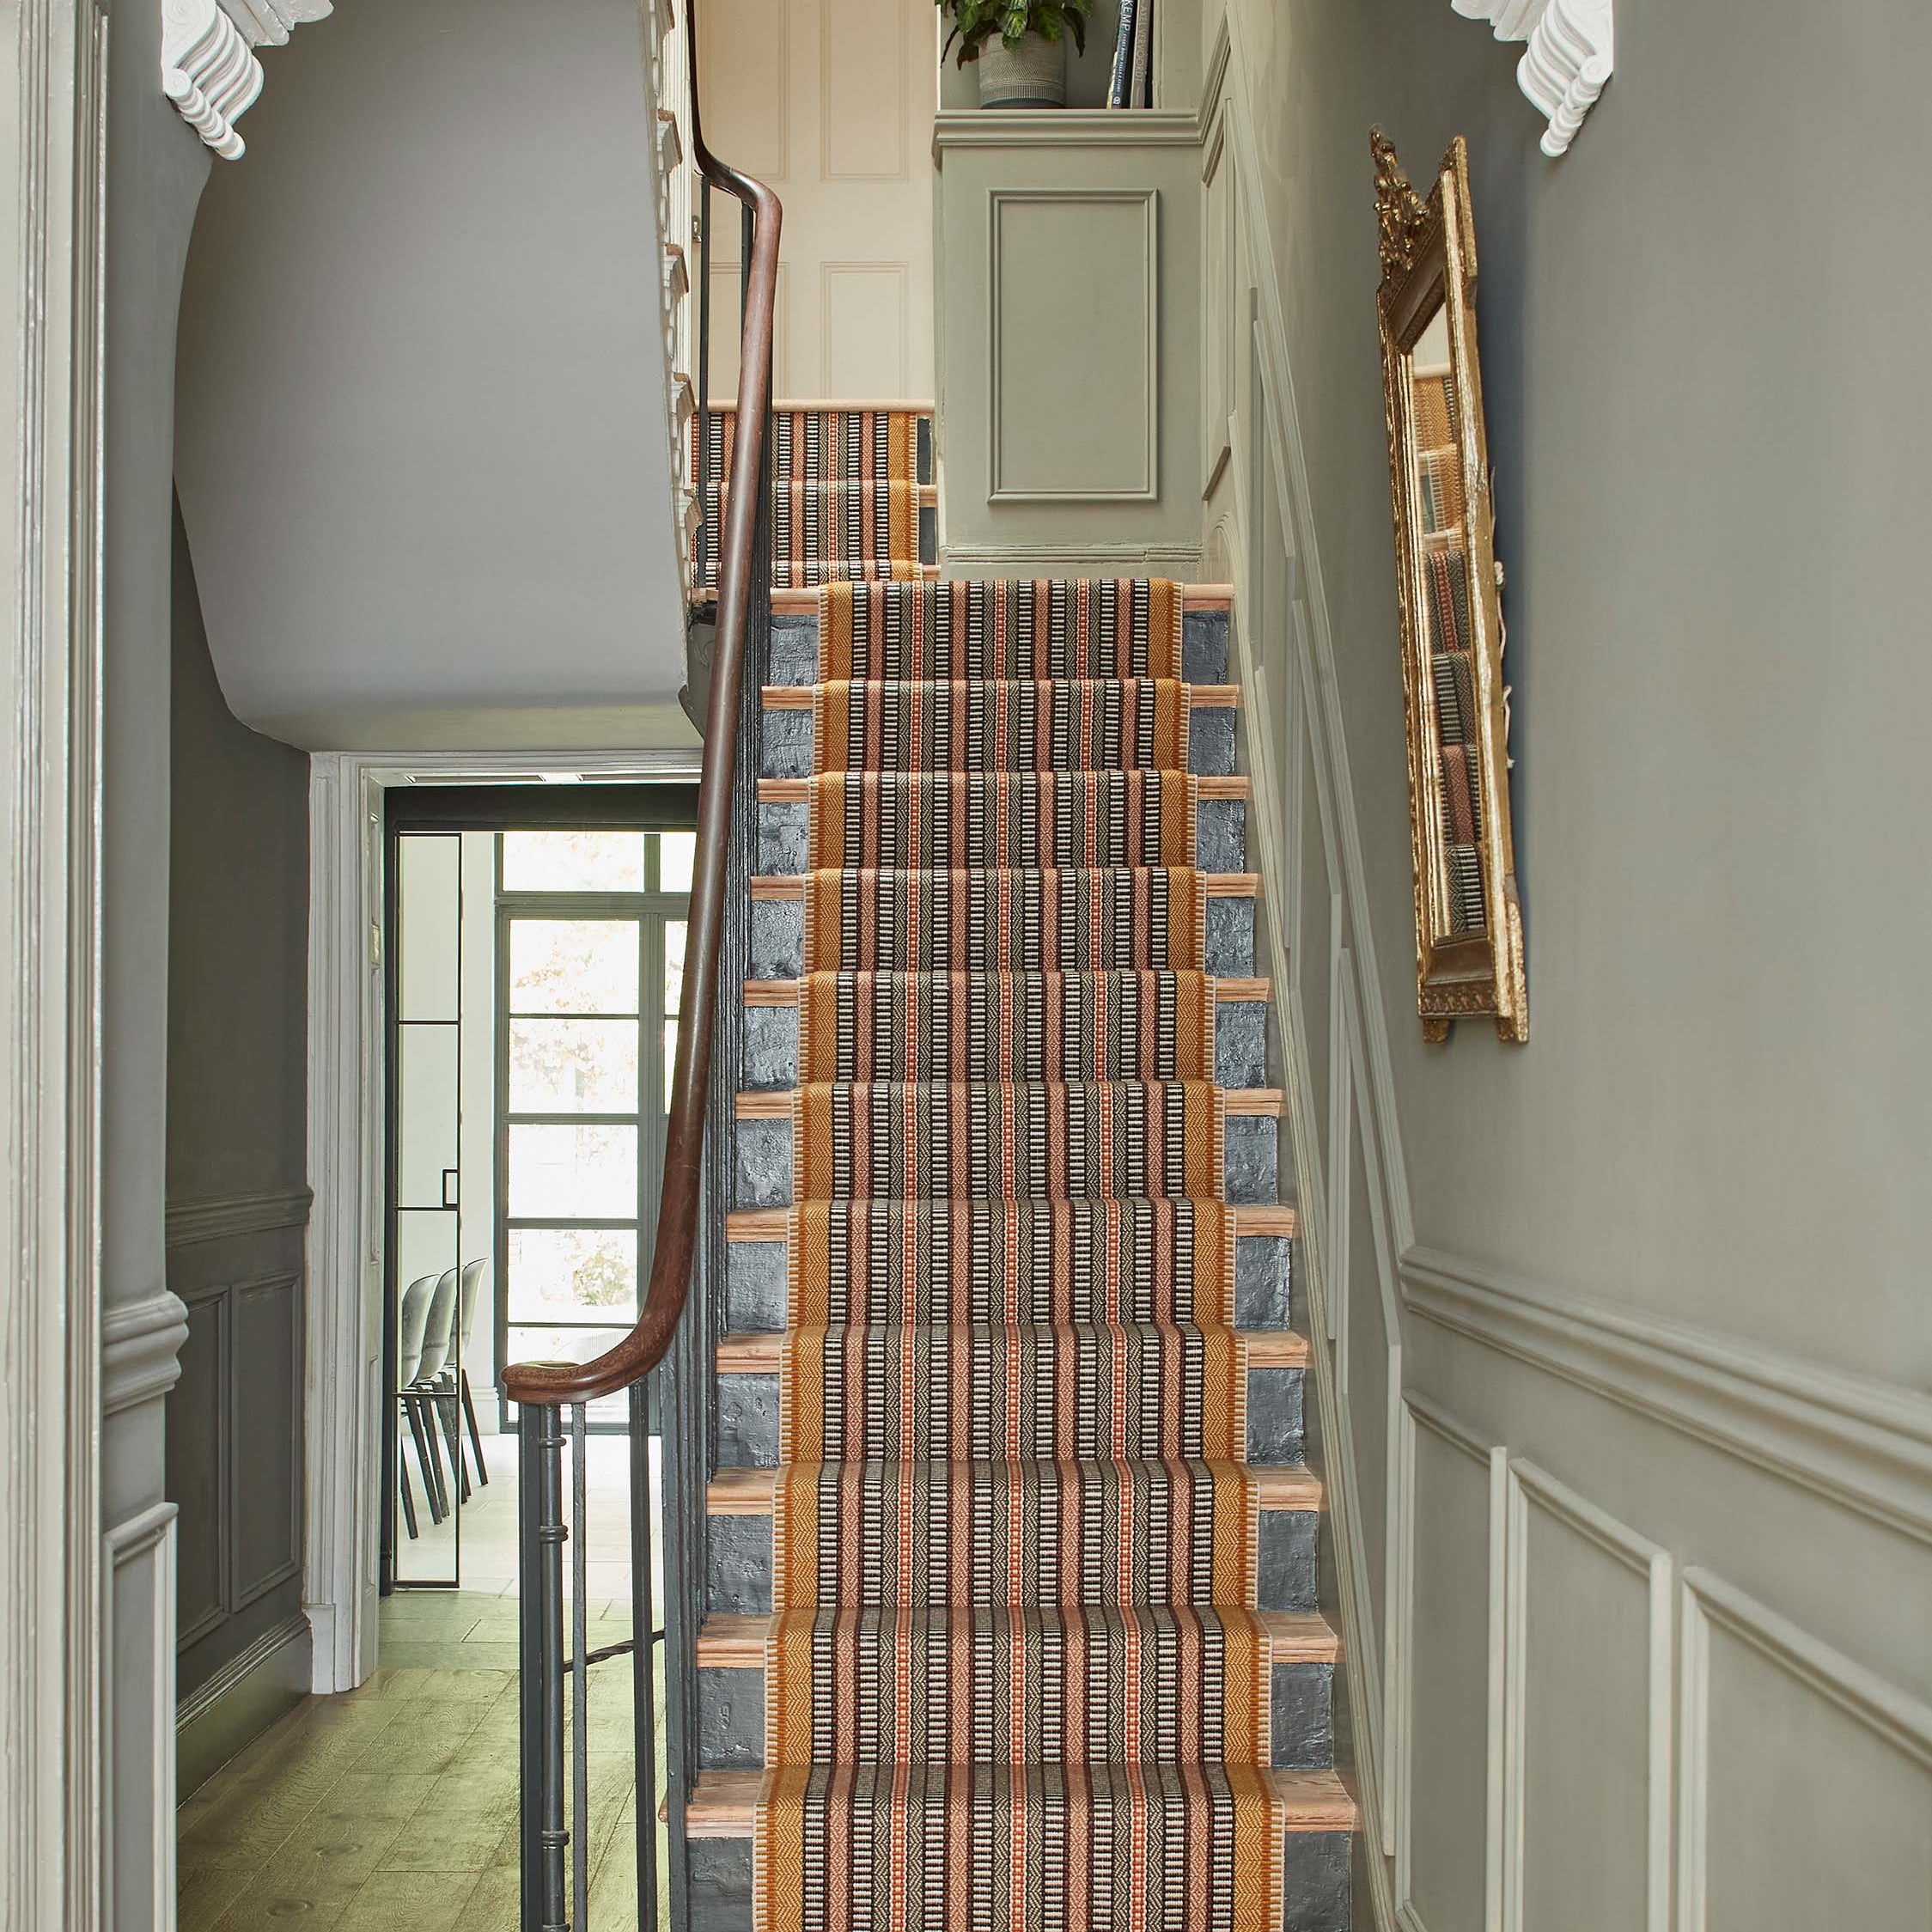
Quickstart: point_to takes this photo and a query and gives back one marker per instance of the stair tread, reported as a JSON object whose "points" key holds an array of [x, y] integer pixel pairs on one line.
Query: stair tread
{"points": [[791, 885], [774, 1224], [732, 1641], [724, 1804], [794, 603], [776, 1103], [762, 1352], [736, 1491], [798, 791], [1200, 698], [1228, 988]]}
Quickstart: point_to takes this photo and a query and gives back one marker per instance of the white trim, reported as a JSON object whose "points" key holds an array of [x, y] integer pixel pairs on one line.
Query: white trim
{"points": [[1572, 53], [148, 1537], [1863, 1443], [140, 1350], [343, 1336], [50, 816]]}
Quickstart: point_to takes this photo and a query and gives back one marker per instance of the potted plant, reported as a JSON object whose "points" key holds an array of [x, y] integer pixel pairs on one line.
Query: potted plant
{"points": [[1020, 46]]}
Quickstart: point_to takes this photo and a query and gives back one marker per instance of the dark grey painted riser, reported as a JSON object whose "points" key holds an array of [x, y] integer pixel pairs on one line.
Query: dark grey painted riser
{"points": [[786, 742], [1315, 1891], [738, 1577], [1300, 1720], [755, 1284], [795, 647], [1240, 1045], [778, 942], [1249, 1176], [784, 837], [748, 1419]]}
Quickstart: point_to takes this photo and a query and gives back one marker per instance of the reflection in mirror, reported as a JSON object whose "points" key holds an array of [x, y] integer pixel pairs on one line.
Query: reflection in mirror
{"points": [[1469, 957]]}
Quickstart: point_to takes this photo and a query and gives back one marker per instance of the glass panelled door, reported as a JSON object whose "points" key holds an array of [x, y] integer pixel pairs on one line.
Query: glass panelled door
{"points": [[590, 956]]}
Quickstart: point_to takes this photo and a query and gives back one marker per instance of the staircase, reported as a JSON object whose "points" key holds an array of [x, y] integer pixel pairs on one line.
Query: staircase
{"points": [[1011, 1558]]}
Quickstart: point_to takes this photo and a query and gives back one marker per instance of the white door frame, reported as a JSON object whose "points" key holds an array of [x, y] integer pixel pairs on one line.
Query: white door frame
{"points": [[344, 1393], [52, 1558]]}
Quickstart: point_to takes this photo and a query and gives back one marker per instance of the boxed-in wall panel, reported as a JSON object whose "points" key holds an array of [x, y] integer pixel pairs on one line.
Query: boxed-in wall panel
{"points": [[1589, 1688], [266, 1364], [1445, 1808], [1075, 344], [1366, 1341], [1809, 1786]]}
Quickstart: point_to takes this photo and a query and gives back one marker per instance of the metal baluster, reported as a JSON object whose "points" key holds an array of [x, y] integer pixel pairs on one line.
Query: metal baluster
{"points": [[643, 1656], [580, 1676], [540, 1689]]}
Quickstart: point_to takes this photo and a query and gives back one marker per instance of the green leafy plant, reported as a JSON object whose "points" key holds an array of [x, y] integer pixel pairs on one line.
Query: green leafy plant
{"points": [[977, 21]]}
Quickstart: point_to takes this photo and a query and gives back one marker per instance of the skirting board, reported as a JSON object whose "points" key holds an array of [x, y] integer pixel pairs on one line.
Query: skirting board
{"points": [[241, 1701]]}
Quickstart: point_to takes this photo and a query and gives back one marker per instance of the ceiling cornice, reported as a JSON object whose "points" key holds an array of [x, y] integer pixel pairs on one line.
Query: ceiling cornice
{"points": [[208, 63]]}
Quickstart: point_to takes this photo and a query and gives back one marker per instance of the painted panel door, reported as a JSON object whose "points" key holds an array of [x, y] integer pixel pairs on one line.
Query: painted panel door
{"points": [[831, 102]]}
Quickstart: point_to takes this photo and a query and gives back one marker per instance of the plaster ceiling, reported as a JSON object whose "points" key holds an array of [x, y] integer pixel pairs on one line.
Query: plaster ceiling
{"points": [[420, 441]]}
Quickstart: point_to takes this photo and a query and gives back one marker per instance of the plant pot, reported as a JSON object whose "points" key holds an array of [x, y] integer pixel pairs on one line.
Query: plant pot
{"points": [[1032, 75]]}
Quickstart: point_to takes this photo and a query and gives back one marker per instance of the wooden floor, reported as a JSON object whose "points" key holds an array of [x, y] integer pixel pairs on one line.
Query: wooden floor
{"points": [[395, 1806]]}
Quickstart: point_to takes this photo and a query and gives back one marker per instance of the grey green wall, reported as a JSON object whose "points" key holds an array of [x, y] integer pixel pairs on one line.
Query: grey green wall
{"points": [[1625, 1342], [237, 1199]]}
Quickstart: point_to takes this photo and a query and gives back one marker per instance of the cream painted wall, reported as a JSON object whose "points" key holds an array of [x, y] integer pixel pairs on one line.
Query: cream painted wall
{"points": [[1622, 1394], [831, 103]]}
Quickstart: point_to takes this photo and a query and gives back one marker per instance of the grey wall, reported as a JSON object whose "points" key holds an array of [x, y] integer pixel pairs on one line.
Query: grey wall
{"points": [[1624, 1337], [422, 451], [1711, 483], [237, 981], [155, 169]]}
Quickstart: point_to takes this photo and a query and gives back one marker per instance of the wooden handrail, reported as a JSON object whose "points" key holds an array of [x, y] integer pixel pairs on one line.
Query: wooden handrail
{"points": [[552, 1383]]}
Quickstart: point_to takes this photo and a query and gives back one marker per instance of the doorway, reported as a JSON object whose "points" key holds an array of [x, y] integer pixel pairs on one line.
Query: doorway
{"points": [[534, 952]]}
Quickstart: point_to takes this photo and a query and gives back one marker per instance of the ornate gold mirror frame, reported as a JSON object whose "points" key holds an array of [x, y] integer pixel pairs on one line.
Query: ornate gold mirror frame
{"points": [[1469, 927]]}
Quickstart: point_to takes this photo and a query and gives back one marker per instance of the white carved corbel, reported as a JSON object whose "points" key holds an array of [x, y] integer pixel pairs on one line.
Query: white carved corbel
{"points": [[1570, 54], [208, 64]]}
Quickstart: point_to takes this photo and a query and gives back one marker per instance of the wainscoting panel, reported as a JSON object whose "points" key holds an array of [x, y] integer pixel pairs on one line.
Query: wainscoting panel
{"points": [[745, 59], [862, 134], [1807, 1780], [1448, 1804], [1074, 346], [1586, 1714], [265, 1363], [865, 328], [235, 1464]]}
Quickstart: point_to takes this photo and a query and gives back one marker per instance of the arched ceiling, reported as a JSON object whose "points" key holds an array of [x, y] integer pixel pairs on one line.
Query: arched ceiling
{"points": [[420, 439]]}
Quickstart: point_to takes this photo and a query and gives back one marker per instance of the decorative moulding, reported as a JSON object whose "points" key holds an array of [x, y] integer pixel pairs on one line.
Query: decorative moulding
{"points": [[1571, 53], [208, 64], [140, 1349]]}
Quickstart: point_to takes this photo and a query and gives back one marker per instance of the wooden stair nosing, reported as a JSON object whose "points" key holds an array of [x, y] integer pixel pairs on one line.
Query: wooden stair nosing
{"points": [[798, 791], [760, 1352], [1217, 884], [1228, 990], [775, 1103], [731, 1641], [724, 1804], [735, 1491], [1194, 596], [774, 1224], [1200, 698]]}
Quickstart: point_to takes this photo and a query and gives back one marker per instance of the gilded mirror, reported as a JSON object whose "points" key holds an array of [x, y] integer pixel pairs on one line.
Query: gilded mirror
{"points": [[1469, 928]]}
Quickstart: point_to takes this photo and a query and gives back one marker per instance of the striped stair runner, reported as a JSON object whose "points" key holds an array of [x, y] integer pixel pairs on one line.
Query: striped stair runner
{"points": [[852, 493], [1016, 1673]]}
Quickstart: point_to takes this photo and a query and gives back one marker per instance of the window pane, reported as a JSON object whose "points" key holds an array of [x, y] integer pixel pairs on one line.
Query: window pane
{"points": [[568, 1274], [573, 1066], [573, 965], [673, 965], [573, 861], [670, 1058], [570, 1173], [675, 852]]}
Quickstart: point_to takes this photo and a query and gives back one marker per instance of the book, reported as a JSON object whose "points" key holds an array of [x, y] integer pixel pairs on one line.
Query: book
{"points": [[1121, 77]]}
